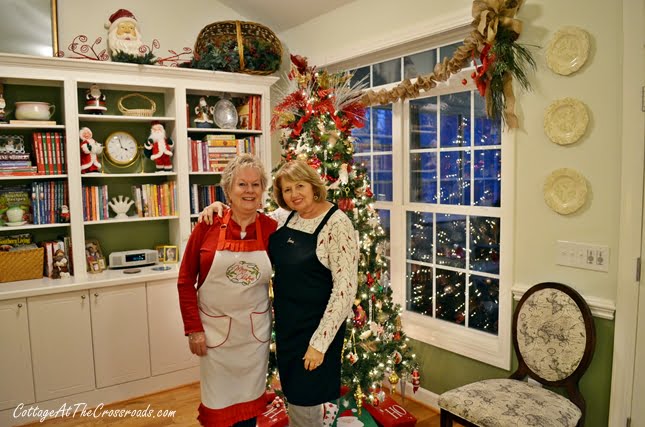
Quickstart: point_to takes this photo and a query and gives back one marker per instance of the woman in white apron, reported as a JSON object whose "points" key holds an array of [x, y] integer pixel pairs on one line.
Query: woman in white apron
{"points": [[227, 316]]}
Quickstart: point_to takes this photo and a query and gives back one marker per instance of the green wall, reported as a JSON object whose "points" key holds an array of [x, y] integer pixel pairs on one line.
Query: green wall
{"points": [[443, 370]]}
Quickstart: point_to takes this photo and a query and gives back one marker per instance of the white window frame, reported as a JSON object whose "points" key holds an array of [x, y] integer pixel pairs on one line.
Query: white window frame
{"points": [[492, 349]]}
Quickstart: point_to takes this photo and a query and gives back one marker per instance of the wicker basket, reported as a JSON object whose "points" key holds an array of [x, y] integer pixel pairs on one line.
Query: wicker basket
{"points": [[139, 112], [21, 265], [241, 31]]}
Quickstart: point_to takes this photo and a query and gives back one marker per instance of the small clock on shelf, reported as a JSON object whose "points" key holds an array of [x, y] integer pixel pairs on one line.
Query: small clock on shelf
{"points": [[121, 149]]}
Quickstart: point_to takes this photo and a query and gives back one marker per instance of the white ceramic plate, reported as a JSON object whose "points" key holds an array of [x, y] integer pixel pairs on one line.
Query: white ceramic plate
{"points": [[568, 50], [566, 120], [565, 191]]}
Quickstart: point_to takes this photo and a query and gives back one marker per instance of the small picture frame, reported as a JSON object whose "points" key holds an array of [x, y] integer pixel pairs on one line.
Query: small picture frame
{"points": [[167, 254], [94, 256], [12, 144]]}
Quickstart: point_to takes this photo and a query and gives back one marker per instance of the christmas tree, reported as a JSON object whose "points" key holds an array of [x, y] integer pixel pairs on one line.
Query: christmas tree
{"points": [[316, 115]]}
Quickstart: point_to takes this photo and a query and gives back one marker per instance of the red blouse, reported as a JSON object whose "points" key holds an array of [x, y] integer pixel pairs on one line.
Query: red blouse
{"points": [[198, 258]]}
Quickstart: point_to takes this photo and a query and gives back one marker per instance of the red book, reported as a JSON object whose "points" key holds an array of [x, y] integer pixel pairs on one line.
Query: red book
{"points": [[38, 149], [57, 150]]}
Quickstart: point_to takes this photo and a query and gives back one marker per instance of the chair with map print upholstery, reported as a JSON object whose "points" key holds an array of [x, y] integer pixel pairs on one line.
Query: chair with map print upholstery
{"points": [[554, 340]]}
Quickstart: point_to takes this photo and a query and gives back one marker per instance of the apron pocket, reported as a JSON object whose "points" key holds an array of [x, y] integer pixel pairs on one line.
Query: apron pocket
{"points": [[261, 325], [217, 329]]}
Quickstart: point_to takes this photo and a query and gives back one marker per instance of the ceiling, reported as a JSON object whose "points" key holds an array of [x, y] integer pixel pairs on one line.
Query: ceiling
{"points": [[281, 15]]}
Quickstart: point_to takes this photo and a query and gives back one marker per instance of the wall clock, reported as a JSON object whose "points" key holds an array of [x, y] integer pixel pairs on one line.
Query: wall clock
{"points": [[121, 148]]}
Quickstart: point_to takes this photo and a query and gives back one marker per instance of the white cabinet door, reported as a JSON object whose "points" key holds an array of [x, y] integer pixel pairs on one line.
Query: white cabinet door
{"points": [[17, 385], [120, 332], [61, 344], [168, 345]]}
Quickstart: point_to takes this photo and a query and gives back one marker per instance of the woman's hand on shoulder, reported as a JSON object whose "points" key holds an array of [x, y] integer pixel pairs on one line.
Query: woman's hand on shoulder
{"points": [[206, 215]]}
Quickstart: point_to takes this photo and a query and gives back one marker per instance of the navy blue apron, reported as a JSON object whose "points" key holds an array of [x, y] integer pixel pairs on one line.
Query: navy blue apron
{"points": [[302, 287]]}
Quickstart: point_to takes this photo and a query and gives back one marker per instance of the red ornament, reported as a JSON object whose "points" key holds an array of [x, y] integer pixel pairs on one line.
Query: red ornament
{"points": [[360, 317], [397, 336], [416, 380], [464, 82], [368, 192], [370, 280], [345, 204]]}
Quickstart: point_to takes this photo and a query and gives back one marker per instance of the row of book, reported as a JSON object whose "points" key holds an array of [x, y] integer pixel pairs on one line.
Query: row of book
{"points": [[49, 150], [50, 202], [203, 195], [150, 200], [216, 151], [153, 200], [250, 113]]}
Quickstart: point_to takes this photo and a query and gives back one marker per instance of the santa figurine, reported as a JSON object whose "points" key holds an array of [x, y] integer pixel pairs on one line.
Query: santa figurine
{"points": [[159, 147], [124, 35], [90, 151], [94, 100]]}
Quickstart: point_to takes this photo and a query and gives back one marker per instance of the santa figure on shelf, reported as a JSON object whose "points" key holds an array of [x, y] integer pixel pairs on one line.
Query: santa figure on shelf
{"points": [[90, 150], [124, 34], [159, 147], [94, 100]]}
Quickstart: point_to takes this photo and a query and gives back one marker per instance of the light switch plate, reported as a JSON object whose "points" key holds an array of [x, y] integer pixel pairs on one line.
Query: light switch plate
{"points": [[582, 255]]}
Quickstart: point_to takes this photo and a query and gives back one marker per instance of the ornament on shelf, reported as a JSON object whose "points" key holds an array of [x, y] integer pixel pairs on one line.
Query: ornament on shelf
{"points": [[225, 114], [121, 206], [90, 150], [64, 213], [158, 147], [416, 380], [203, 112], [3, 104], [94, 100]]}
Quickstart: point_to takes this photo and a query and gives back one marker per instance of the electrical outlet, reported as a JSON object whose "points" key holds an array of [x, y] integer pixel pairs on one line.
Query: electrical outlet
{"points": [[582, 255]]}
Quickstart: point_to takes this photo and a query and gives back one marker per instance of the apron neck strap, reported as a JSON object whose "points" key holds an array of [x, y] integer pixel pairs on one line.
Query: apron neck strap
{"points": [[224, 225]]}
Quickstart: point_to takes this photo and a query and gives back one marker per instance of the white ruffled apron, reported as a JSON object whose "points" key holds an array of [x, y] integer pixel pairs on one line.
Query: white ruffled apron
{"points": [[235, 311]]}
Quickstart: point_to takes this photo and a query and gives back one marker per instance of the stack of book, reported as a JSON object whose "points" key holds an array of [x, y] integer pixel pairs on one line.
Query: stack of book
{"points": [[14, 160], [216, 151]]}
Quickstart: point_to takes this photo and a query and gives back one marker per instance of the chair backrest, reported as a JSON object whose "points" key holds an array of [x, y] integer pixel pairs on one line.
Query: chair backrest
{"points": [[554, 337]]}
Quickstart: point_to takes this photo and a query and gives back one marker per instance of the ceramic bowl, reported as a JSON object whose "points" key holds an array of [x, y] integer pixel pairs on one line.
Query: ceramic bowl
{"points": [[28, 110]]}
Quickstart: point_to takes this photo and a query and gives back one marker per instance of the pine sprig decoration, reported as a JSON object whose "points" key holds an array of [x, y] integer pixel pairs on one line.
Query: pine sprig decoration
{"points": [[147, 59]]}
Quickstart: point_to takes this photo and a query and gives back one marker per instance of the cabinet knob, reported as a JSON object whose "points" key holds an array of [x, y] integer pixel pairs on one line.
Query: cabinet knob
{"points": [[82, 296], [19, 305], [96, 295]]}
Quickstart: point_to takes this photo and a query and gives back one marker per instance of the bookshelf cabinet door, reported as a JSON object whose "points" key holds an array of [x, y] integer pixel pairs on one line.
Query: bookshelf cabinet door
{"points": [[168, 346], [15, 360], [120, 334], [61, 344]]}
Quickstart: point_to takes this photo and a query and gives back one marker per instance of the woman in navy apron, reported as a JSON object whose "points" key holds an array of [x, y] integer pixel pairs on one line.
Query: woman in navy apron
{"points": [[227, 316], [315, 258]]}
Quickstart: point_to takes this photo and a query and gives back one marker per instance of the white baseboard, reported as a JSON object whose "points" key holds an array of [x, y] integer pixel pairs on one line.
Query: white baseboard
{"points": [[423, 396]]}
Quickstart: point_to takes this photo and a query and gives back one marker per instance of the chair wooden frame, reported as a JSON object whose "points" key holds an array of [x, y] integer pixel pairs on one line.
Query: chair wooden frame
{"points": [[570, 383]]}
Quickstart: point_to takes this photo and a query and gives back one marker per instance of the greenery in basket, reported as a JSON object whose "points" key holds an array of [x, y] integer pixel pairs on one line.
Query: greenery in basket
{"points": [[258, 56]]}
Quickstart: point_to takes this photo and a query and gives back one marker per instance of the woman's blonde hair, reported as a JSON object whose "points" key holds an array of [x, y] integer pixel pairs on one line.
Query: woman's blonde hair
{"points": [[297, 170], [240, 162]]}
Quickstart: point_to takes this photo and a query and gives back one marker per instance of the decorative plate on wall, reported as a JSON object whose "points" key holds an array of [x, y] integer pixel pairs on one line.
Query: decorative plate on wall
{"points": [[568, 50], [566, 120], [565, 191]]}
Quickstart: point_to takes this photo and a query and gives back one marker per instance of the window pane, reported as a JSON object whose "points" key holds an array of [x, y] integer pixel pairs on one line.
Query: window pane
{"points": [[419, 64], [487, 131], [359, 75], [423, 123], [451, 298], [449, 50], [362, 135], [488, 178], [366, 161], [382, 128], [455, 120], [483, 304], [484, 244], [451, 240], [386, 72], [382, 183], [420, 229], [419, 289], [423, 177], [455, 178]]}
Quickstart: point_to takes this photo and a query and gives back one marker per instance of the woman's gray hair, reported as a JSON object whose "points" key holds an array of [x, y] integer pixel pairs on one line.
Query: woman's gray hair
{"points": [[298, 170], [240, 162]]}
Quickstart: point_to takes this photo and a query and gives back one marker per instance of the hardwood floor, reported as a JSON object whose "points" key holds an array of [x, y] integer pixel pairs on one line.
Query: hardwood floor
{"points": [[185, 400]]}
